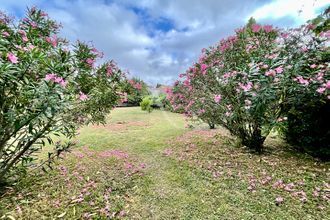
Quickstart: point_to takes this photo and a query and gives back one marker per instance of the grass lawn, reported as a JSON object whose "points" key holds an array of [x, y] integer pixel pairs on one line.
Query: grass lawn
{"points": [[149, 166]]}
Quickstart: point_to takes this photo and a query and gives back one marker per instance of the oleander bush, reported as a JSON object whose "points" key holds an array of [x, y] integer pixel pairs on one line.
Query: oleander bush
{"points": [[135, 89], [48, 87], [251, 82]]}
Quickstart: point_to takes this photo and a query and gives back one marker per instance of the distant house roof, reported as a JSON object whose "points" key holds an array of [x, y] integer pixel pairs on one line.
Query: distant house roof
{"points": [[159, 90]]}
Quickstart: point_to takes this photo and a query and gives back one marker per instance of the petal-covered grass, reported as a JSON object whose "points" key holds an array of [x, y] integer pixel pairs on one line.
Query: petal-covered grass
{"points": [[275, 185], [149, 166], [85, 183]]}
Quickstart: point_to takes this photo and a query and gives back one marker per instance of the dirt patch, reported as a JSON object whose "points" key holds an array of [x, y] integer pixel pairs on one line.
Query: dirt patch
{"points": [[121, 125]]}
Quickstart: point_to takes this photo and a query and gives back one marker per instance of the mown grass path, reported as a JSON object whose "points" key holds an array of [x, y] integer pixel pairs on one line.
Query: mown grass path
{"points": [[167, 190]]}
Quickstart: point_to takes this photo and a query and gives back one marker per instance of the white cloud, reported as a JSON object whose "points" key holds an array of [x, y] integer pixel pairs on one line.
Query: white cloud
{"points": [[299, 10]]}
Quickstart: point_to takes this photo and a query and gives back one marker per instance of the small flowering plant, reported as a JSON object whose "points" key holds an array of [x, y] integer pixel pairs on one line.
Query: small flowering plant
{"points": [[47, 87]]}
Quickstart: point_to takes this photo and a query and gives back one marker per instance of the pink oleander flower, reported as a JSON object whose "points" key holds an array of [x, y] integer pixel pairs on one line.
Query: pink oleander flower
{"points": [[58, 79], [25, 39], [304, 49], [90, 62], [129, 165], [321, 90], [246, 87], [226, 75], [204, 68], [52, 40], [63, 83], [302, 81], [138, 86], [33, 24], [19, 47], [325, 34], [23, 33], [278, 184], [143, 165], [265, 66], [279, 200], [272, 56], [271, 73], [282, 119], [266, 180], [228, 114], [256, 27], [12, 58], [313, 66], [109, 71], [310, 26], [82, 96], [217, 98], [319, 77], [279, 69], [247, 102], [43, 14], [268, 28], [31, 47], [5, 34], [167, 152], [122, 213], [186, 82], [97, 52], [50, 77], [248, 48], [201, 111], [289, 187], [327, 85]]}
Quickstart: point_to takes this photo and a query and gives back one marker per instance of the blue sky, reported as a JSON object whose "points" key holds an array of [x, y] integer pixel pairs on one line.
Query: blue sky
{"points": [[158, 39]]}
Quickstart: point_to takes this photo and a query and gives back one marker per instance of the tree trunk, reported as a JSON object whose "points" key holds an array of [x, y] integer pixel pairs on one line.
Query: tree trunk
{"points": [[27, 146], [256, 141], [211, 125]]}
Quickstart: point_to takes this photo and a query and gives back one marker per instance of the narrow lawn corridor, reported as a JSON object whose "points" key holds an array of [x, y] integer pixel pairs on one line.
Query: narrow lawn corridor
{"points": [[168, 189], [149, 166]]}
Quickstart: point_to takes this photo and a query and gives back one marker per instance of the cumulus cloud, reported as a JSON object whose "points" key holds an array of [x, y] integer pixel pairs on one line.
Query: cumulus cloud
{"points": [[156, 40], [298, 10]]}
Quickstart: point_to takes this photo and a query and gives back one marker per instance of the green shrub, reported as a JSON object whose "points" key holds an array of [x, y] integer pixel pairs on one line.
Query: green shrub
{"points": [[146, 104], [308, 128]]}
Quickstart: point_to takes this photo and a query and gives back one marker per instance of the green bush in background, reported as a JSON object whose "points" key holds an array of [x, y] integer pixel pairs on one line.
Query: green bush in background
{"points": [[146, 104]]}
